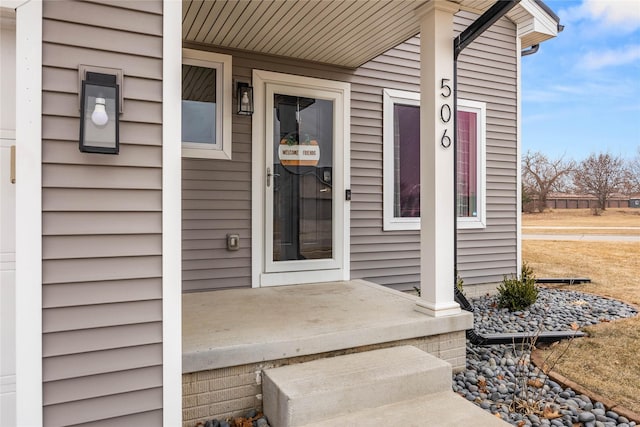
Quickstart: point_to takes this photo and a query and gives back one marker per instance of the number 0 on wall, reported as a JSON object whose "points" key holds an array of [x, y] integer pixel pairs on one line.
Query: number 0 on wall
{"points": [[445, 111]]}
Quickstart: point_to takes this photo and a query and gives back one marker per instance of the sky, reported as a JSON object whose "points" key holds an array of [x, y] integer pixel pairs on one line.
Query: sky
{"points": [[581, 90]]}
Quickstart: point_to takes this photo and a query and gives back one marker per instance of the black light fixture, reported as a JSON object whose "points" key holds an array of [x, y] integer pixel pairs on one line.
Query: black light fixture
{"points": [[99, 114], [245, 99]]}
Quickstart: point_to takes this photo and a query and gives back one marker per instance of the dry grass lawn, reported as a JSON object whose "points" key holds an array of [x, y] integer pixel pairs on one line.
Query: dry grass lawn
{"points": [[582, 221], [581, 231], [612, 217], [607, 361]]}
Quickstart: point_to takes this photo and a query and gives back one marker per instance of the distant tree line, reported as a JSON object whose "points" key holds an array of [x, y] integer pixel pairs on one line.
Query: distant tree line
{"points": [[599, 175]]}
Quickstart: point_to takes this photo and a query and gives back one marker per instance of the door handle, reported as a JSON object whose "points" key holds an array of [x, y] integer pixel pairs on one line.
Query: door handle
{"points": [[12, 172], [269, 175]]}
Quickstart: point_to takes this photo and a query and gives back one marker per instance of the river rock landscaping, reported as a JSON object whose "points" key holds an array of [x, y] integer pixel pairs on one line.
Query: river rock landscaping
{"points": [[502, 380], [252, 418]]}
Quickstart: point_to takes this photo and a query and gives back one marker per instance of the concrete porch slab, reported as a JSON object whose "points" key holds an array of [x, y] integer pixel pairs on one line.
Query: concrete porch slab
{"points": [[242, 326]]}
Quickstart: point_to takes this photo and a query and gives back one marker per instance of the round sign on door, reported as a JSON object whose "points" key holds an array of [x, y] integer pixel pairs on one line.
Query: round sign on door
{"points": [[293, 152]]}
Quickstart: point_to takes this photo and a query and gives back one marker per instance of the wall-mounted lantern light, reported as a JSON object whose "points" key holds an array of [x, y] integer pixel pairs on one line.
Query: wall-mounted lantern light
{"points": [[99, 114], [245, 99]]}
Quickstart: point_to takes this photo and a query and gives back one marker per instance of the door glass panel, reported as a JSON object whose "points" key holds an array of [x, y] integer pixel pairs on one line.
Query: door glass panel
{"points": [[302, 178]]}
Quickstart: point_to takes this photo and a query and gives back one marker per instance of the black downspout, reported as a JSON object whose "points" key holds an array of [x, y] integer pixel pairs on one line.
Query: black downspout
{"points": [[533, 49], [464, 39]]}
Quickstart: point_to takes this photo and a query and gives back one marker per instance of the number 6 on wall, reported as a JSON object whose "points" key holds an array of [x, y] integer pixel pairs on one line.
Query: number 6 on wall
{"points": [[445, 141]]}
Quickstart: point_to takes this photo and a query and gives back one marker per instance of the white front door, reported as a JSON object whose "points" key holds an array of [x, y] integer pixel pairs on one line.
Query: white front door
{"points": [[301, 144]]}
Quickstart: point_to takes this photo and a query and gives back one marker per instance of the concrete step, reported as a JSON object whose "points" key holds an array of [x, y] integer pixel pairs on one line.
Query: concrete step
{"points": [[309, 392], [444, 409]]}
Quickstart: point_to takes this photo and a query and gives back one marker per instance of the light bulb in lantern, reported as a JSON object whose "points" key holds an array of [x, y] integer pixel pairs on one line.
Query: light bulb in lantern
{"points": [[99, 116], [244, 103]]}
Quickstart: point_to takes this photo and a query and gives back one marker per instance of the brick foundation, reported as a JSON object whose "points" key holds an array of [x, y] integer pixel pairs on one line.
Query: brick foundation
{"points": [[229, 392]]}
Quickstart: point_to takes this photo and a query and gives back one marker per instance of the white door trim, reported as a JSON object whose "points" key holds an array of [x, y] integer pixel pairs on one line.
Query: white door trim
{"points": [[335, 262], [7, 222], [258, 203], [29, 213]]}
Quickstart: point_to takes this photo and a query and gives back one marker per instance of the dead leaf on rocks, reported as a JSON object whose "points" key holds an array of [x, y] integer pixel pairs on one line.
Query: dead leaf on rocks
{"points": [[245, 422], [574, 326], [535, 382], [550, 414], [521, 423], [497, 414]]}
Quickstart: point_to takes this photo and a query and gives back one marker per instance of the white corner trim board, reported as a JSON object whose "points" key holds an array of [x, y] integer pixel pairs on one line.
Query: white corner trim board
{"points": [[171, 215], [29, 213]]}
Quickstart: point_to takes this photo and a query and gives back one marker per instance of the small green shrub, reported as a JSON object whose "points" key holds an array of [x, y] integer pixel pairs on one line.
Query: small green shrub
{"points": [[526, 272], [517, 294], [459, 283]]}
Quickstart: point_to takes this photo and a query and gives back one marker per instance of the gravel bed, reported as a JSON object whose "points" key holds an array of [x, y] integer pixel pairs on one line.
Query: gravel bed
{"points": [[555, 310], [252, 417], [497, 375]]}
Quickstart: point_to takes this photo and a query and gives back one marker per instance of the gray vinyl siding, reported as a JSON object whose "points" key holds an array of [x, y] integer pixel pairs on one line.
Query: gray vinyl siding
{"points": [[102, 230], [216, 194], [487, 73], [389, 258]]}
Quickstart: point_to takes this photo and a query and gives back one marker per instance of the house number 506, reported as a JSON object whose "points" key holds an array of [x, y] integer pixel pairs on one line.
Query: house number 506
{"points": [[445, 111]]}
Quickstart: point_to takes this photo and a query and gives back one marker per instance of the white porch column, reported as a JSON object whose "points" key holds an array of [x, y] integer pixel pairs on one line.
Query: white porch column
{"points": [[436, 159]]}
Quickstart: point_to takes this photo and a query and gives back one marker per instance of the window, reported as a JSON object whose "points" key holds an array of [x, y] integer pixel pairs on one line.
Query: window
{"points": [[206, 104], [401, 123], [471, 174], [402, 162]]}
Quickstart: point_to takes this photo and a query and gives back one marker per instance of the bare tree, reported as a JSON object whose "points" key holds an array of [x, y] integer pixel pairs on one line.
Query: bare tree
{"points": [[600, 176], [541, 175], [633, 170]]}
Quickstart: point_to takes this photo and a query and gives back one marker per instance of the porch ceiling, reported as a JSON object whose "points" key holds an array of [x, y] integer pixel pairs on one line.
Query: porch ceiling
{"points": [[346, 33]]}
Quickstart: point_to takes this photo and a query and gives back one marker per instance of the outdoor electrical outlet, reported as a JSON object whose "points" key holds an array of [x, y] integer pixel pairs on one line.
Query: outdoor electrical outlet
{"points": [[233, 242]]}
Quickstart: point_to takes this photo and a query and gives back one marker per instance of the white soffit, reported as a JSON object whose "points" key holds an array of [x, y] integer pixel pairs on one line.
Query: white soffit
{"points": [[346, 33], [535, 25]]}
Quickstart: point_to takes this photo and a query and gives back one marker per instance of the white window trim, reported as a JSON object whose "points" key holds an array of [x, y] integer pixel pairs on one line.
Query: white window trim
{"points": [[390, 97], [480, 108], [223, 66], [392, 223]]}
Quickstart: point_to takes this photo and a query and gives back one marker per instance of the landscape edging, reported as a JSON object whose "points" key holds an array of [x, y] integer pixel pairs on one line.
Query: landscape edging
{"points": [[537, 360]]}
